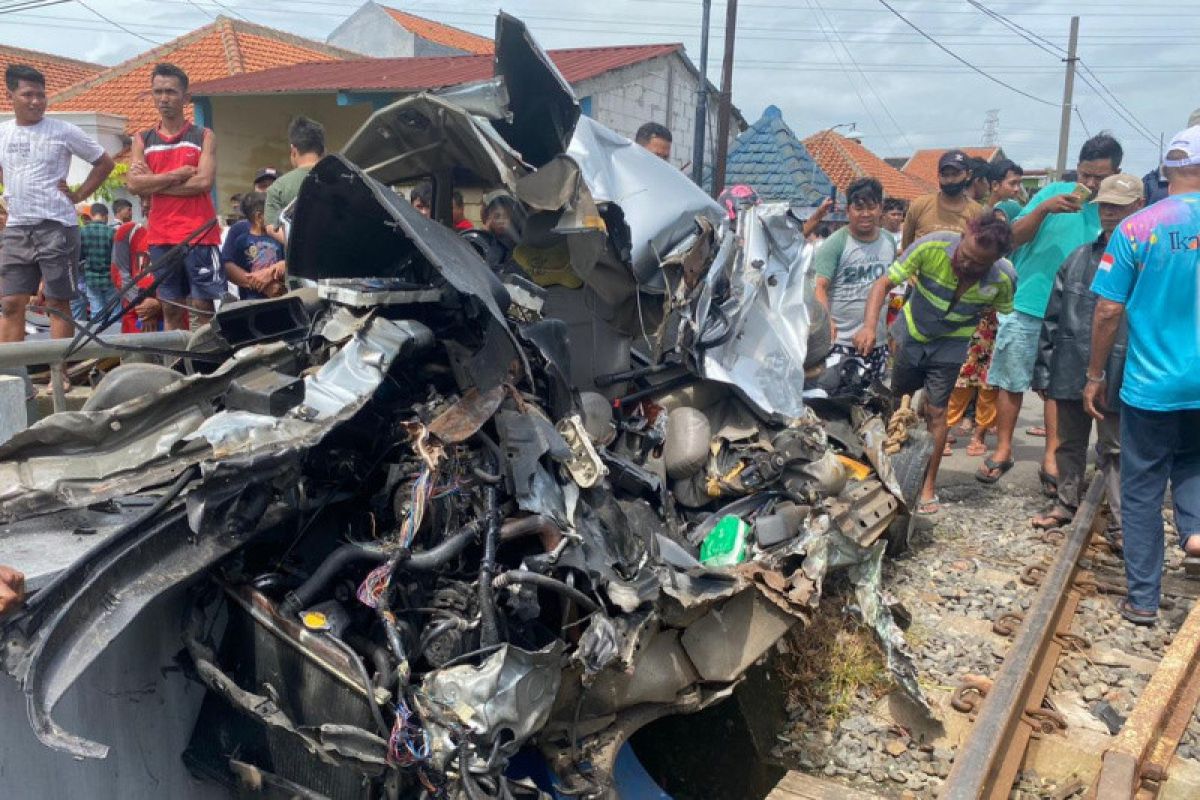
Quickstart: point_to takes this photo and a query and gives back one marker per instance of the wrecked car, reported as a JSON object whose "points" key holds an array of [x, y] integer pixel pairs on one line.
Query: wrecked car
{"points": [[435, 515]]}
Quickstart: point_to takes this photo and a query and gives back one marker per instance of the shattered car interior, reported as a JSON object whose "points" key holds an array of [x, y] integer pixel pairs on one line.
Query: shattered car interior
{"points": [[450, 509]]}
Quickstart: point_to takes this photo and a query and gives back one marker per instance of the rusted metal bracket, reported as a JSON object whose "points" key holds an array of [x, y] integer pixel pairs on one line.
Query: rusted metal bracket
{"points": [[987, 763], [1136, 765]]}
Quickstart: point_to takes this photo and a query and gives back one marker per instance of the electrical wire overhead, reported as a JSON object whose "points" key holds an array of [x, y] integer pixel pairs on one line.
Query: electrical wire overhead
{"points": [[113, 22], [962, 60]]}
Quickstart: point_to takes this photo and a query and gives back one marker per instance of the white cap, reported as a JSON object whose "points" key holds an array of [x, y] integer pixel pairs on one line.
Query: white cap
{"points": [[1188, 141]]}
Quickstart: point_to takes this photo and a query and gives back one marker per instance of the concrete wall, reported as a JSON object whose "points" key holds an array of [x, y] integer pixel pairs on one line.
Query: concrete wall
{"points": [[252, 133], [660, 90]]}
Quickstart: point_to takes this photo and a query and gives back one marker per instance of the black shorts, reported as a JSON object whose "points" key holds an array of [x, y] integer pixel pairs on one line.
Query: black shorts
{"points": [[932, 366]]}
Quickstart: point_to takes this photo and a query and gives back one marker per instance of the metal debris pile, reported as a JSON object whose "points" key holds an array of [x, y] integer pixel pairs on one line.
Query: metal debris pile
{"points": [[439, 516]]}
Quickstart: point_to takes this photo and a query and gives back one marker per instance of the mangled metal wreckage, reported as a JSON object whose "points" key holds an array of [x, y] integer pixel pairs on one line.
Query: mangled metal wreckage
{"points": [[436, 510]]}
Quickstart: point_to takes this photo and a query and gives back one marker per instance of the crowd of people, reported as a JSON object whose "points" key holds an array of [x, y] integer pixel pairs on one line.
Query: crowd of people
{"points": [[1088, 293]]}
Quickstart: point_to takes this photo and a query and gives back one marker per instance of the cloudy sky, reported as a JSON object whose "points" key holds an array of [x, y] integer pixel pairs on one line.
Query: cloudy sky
{"points": [[823, 62]]}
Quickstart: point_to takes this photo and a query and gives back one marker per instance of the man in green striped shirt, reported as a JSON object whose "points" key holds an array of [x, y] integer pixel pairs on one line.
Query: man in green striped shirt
{"points": [[955, 279]]}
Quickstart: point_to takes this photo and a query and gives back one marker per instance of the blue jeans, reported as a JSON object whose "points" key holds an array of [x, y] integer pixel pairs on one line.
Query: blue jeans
{"points": [[98, 297], [1156, 446]]}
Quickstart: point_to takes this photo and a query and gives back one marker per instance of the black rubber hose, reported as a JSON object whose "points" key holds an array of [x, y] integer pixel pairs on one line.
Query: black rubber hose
{"points": [[353, 552], [548, 583], [333, 564], [368, 687], [489, 629]]}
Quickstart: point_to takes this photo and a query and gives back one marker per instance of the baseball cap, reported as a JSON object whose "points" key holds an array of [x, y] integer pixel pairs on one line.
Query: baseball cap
{"points": [[1120, 190], [954, 158], [266, 172], [1188, 141]]}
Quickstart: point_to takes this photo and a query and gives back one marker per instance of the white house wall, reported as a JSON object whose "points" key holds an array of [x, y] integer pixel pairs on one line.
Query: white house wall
{"points": [[660, 90]]}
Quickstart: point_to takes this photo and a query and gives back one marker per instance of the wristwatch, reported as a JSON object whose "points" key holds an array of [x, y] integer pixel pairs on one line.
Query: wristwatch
{"points": [[1103, 375]]}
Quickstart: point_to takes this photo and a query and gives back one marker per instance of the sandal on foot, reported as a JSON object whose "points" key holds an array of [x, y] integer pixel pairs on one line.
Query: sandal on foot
{"points": [[1136, 615], [984, 475], [930, 507], [1056, 517], [1191, 566], [1036, 431], [947, 450], [976, 449], [1049, 482]]}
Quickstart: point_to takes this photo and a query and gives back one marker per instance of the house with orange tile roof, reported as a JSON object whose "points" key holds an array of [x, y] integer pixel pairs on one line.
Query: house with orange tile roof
{"points": [[60, 72], [383, 32], [222, 48], [923, 164], [843, 159]]}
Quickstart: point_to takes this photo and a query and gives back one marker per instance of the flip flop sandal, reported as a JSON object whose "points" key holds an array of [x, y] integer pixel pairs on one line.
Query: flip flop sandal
{"points": [[1056, 517], [1036, 431], [976, 449], [1136, 615], [984, 475], [1049, 483], [948, 450], [930, 507]]}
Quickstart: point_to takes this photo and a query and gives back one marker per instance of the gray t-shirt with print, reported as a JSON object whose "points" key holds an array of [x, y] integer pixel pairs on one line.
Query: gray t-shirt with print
{"points": [[851, 267]]}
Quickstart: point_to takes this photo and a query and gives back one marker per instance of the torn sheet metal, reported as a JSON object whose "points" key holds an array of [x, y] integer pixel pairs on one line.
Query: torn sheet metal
{"points": [[506, 699], [427, 135], [660, 204], [868, 590], [762, 321], [542, 105]]}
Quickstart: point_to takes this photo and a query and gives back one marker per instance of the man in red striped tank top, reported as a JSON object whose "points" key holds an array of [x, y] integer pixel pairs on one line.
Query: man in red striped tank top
{"points": [[176, 163]]}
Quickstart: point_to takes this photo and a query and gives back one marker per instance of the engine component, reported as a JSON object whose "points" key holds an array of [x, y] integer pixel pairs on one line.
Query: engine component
{"points": [[685, 450]]}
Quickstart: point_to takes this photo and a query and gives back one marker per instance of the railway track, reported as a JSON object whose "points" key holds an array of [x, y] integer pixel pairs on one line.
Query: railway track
{"points": [[1011, 709]]}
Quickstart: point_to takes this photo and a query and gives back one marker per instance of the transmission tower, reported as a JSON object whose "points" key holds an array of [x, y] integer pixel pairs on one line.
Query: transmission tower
{"points": [[991, 128]]}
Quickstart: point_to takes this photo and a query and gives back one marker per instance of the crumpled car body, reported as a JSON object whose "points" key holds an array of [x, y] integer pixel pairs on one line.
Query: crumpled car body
{"points": [[415, 544]]}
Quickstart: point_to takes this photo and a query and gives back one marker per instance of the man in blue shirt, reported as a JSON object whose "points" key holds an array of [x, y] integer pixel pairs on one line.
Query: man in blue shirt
{"points": [[1053, 224], [1151, 274]]}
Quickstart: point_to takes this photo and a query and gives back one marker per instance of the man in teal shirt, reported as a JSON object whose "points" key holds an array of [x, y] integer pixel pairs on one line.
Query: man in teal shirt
{"points": [[1055, 222]]}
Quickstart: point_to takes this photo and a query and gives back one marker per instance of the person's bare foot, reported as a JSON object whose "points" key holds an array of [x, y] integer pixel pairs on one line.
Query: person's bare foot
{"points": [[1192, 545]]}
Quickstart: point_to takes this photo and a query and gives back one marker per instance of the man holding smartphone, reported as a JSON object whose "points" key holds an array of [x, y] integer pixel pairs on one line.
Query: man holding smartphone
{"points": [[1059, 219]]}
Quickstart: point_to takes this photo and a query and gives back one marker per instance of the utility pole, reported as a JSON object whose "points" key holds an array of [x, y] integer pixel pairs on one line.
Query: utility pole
{"points": [[1064, 130], [722, 149], [701, 102]]}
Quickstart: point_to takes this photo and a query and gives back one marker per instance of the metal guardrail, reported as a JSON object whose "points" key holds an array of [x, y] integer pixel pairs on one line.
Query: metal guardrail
{"points": [[51, 351]]}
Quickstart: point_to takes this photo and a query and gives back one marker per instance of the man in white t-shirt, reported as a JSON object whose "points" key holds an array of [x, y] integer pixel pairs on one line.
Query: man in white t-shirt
{"points": [[40, 248]]}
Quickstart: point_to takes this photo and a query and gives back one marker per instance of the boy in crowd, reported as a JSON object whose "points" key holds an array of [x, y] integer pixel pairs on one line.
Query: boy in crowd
{"points": [[1064, 349], [253, 258], [847, 264], [95, 248]]}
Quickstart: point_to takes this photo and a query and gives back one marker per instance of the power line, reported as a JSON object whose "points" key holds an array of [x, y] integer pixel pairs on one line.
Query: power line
{"points": [[870, 86], [1092, 74], [962, 60], [29, 5], [1024, 33], [118, 25]]}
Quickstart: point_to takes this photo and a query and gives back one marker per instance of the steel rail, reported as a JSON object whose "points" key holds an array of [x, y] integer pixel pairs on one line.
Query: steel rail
{"points": [[987, 762], [1135, 766]]}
